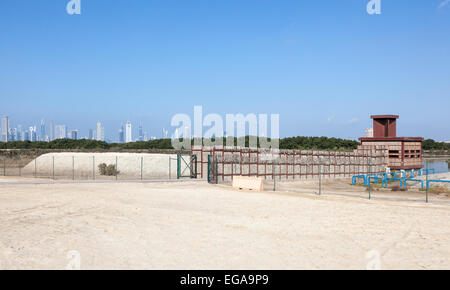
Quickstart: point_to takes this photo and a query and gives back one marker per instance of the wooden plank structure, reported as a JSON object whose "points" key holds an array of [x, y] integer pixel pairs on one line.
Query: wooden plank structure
{"points": [[289, 164], [405, 153]]}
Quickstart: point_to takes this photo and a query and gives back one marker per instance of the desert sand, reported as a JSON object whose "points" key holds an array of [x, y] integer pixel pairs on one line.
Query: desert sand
{"points": [[194, 225]]}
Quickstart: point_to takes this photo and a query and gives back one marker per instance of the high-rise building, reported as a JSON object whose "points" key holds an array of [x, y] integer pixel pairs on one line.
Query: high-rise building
{"points": [[141, 135], [145, 136], [20, 136], [128, 135], [52, 132], [121, 134], [187, 132], [14, 135], [60, 132], [33, 134], [74, 134], [42, 135], [26, 136], [100, 132], [5, 129], [91, 134], [165, 134]]}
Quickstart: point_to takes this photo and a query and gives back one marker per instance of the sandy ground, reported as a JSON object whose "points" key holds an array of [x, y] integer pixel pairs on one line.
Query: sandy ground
{"points": [[200, 226]]}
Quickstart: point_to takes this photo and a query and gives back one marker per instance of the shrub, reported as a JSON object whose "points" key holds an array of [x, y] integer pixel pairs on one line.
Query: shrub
{"points": [[107, 170], [111, 170], [102, 168]]}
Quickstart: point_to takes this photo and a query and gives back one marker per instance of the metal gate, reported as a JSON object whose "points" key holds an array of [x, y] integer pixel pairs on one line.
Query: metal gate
{"points": [[186, 166], [212, 169]]}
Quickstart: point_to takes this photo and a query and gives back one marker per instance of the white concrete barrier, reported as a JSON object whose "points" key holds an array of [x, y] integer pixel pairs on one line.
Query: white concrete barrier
{"points": [[249, 183]]}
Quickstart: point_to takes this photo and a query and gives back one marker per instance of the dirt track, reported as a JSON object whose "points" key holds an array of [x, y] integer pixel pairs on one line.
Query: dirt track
{"points": [[200, 226]]}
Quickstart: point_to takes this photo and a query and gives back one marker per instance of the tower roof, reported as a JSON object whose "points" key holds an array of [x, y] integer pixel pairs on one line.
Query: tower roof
{"points": [[384, 117]]}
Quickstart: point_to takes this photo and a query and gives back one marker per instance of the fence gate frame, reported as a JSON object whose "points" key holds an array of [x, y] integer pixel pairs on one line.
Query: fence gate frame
{"points": [[213, 169], [190, 163]]}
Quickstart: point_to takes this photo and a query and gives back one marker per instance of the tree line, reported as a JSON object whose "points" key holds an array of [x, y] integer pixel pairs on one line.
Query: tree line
{"points": [[318, 143], [430, 144], [293, 143]]}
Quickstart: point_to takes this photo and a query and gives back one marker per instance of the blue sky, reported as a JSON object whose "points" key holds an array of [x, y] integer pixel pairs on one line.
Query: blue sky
{"points": [[324, 66]]}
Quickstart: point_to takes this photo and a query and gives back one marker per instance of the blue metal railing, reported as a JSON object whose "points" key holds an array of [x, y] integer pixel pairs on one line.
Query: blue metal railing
{"points": [[411, 179], [400, 176], [429, 181]]}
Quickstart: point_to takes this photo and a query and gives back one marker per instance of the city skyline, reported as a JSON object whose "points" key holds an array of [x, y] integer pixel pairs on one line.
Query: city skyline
{"points": [[120, 135], [15, 132]]}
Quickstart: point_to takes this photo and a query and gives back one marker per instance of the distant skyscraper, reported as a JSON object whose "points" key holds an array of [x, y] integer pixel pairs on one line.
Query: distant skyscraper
{"points": [[187, 132], [5, 129], [33, 134], [128, 135], [145, 136], [60, 132], [121, 134], [141, 135], [52, 132], [91, 134], [11, 136], [20, 136], [42, 136], [74, 134], [165, 133], [100, 132]]}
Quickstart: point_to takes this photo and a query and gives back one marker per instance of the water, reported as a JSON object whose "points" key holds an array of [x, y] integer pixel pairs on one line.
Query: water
{"points": [[439, 164]]}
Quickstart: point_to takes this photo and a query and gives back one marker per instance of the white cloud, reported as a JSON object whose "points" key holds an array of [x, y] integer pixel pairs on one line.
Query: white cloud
{"points": [[444, 3], [331, 118], [352, 121]]}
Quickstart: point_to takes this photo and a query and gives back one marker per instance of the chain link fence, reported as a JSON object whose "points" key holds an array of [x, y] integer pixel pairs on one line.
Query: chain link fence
{"points": [[83, 166]]}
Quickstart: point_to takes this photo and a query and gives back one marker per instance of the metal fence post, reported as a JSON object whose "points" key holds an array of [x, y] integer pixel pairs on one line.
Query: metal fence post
{"points": [[209, 168], [426, 166], [217, 171], [178, 166], [275, 177], [320, 176], [73, 167], [142, 165], [370, 163]]}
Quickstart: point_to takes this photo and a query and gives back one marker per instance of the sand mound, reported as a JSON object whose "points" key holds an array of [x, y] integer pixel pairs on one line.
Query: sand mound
{"points": [[85, 165]]}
